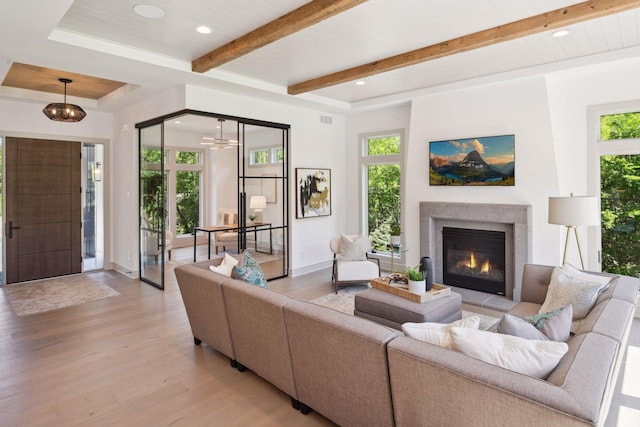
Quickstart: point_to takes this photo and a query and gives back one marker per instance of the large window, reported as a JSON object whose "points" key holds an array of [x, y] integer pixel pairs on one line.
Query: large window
{"points": [[620, 195], [184, 179], [381, 160]]}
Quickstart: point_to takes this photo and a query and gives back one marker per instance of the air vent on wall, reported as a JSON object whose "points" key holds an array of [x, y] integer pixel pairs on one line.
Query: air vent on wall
{"points": [[327, 120]]}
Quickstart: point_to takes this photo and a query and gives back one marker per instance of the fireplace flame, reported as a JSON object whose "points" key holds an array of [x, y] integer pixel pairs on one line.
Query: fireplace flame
{"points": [[486, 267], [472, 261]]}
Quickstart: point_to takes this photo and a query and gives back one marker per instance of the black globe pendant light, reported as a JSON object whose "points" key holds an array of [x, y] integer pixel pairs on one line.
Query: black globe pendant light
{"points": [[63, 112]]}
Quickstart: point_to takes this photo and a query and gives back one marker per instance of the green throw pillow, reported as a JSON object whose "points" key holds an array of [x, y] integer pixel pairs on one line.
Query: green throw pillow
{"points": [[249, 270]]}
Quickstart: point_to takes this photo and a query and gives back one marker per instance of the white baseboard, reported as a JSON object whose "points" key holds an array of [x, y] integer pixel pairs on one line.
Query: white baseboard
{"points": [[310, 268], [125, 271]]}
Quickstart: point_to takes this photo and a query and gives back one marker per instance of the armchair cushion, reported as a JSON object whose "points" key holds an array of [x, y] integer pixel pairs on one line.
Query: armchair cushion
{"points": [[354, 248], [357, 270]]}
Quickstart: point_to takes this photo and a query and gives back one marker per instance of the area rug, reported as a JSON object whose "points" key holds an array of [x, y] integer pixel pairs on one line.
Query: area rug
{"points": [[52, 294], [344, 302]]}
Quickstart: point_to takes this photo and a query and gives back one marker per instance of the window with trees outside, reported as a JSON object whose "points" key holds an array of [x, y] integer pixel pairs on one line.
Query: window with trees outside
{"points": [[381, 160], [620, 196]]}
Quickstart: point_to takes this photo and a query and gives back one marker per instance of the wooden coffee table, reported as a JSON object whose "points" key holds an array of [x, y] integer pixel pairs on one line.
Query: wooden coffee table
{"points": [[401, 290]]}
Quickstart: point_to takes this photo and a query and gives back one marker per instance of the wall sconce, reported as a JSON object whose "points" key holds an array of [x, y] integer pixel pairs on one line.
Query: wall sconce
{"points": [[571, 212], [97, 172]]}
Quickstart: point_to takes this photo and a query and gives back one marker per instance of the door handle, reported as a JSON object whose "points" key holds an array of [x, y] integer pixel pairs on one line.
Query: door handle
{"points": [[11, 228]]}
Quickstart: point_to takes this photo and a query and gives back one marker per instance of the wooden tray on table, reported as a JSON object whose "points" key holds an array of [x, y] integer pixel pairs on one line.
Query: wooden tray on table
{"points": [[401, 290]]}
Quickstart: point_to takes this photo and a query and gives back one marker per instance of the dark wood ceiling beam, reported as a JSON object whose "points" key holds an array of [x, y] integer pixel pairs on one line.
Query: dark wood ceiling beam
{"points": [[294, 21], [556, 19]]}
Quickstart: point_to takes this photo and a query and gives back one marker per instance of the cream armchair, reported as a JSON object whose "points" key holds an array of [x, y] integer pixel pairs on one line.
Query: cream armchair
{"points": [[351, 262], [224, 239]]}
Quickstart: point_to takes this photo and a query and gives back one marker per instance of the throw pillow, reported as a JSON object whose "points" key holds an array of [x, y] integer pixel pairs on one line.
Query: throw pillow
{"points": [[438, 333], [579, 290], [226, 266], [554, 325], [354, 248], [249, 270], [529, 357]]}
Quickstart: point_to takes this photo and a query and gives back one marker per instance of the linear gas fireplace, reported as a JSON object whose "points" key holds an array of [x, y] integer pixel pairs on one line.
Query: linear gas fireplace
{"points": [[474, 259]]}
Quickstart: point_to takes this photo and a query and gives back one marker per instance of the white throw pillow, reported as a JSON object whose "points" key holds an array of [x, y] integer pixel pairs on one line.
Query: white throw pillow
{"points": [[438, 333], [528, 357], [570, 286], [226, 266], [354, 248]]}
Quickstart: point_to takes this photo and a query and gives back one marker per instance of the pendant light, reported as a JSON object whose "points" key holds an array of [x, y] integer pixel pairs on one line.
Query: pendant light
{"points": [[64, 112]]}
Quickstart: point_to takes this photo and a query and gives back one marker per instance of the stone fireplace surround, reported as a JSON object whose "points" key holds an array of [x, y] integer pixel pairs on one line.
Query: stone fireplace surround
{"points": [[513, 220]]}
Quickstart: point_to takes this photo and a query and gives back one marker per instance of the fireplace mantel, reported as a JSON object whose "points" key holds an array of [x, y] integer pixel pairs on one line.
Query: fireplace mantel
{"points": [[514, 220]]}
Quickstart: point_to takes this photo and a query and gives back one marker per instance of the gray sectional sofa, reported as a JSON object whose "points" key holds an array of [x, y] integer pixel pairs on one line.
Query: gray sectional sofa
{"points": [[358, 373]]}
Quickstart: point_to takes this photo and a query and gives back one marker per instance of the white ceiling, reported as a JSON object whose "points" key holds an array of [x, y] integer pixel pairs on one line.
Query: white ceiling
{"points": [[105, 38]]}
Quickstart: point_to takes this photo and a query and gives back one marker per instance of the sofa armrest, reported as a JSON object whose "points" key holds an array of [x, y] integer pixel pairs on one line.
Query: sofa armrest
{"points": [[426, 378]]}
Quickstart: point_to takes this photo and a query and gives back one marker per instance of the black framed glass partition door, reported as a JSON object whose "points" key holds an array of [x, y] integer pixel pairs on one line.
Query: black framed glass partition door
{"points": [[243, 188]]}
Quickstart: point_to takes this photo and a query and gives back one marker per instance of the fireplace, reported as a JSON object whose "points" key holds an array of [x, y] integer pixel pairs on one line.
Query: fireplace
{"points": [[474, 259], [512, 220]]}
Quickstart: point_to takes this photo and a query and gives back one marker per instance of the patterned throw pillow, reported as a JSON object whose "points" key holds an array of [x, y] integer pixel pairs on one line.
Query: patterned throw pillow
{"points": [[249, 270], [571, 286]]}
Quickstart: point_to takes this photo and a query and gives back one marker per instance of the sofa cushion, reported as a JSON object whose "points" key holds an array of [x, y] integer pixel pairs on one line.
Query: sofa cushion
{"points": [[529, 357], [438, 333], [226, 266], [570, 286], [249, 270], [554, 325]]}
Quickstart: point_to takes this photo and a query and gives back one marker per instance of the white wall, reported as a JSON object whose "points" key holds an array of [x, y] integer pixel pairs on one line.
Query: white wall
{"points": [[519, 107], [124, 172]]}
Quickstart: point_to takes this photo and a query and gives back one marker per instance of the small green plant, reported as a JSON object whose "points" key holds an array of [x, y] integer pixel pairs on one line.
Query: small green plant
{"points": [[252, 217], [414, 273]]}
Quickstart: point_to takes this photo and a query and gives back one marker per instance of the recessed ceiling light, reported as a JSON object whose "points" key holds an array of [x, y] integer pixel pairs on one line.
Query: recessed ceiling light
{"points": [[203, 29], [361, 83], [148, 11], [178, 122], [560, 33]]}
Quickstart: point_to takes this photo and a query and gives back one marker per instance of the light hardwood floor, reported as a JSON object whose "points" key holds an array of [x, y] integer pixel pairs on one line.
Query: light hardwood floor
{"points": [[130, 360]]}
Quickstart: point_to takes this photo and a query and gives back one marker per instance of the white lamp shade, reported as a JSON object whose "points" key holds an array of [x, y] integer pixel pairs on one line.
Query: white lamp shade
{"points": [[258, 202], [574, 210]]}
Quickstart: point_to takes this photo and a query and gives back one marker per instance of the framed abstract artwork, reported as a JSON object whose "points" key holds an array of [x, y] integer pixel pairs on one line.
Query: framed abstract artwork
{"points": [[483, 161], [313, 196]]}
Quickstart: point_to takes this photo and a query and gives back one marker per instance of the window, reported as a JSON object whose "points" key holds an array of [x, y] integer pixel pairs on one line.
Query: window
{"points": [[266, 156], [381, 160], [619, 189], [184, 177]]}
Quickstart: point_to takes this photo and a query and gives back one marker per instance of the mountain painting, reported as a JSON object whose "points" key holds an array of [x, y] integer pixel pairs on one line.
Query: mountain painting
{"points": [[473, 161]]}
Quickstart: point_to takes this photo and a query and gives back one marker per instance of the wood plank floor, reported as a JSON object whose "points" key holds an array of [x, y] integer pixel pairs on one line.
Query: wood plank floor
{"points": [[130, 360]]}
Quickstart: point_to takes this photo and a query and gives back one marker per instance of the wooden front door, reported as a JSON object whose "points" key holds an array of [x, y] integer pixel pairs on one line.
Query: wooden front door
{"points": [[43, 205]]}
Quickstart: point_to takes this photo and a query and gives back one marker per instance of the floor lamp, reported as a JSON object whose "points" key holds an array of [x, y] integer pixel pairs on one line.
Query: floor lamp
{"points": [[572, 212]]}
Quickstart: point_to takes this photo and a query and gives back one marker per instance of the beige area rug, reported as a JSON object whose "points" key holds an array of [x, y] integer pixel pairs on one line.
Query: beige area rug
{"points": [[52, 294], [344, 302]]}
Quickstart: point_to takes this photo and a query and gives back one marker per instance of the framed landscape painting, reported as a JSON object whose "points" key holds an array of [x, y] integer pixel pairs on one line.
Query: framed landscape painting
{"points": [[313, 197], [488, 160]]}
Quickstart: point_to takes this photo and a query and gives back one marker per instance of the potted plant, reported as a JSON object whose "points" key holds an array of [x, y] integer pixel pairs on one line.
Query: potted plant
{"points": [[252, 217], [395, 234], [416, 279]]}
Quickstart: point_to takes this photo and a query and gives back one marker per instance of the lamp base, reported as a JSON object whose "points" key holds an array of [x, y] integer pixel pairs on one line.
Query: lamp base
{"points": [[566, 244]]}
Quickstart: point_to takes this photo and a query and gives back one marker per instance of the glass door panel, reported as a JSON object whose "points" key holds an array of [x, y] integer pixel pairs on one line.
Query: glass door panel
{"points": [[153, 192], [262, 179]]}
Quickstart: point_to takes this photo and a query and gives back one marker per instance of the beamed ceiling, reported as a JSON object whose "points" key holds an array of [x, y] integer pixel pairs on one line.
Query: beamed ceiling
{"points": [[312, 51]]}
